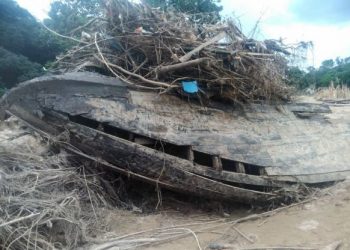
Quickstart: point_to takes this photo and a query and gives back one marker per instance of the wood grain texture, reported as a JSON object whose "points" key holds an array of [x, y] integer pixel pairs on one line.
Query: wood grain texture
{"points": [[297, 139]]}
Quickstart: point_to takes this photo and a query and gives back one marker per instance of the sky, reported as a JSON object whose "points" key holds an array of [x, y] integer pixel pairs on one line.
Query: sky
{"points": [[324, 22]]}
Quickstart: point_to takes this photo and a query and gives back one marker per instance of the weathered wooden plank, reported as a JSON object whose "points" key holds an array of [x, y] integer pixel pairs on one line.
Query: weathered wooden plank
{"points": [[309, 108], [240, 167], [145, 163], [314, 178], [217, 164], [154, 164], [209, 172], [190, 154], [151, 163], [239, 178], [263, 135]]}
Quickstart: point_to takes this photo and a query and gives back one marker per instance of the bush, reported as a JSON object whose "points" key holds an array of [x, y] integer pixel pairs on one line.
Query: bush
{"points": [[22, 34], [16, 68]]}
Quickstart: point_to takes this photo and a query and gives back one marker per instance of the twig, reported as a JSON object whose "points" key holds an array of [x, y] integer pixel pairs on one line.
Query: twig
{"points": [[85, 25], [103, 58], [88, 191], [256, 54], [242, 234], [63, 36], [19, 219], [190, 232]]}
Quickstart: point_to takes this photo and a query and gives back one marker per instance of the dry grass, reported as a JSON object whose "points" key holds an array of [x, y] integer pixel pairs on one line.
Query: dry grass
{"points": [[340, 92], [44, 204]]}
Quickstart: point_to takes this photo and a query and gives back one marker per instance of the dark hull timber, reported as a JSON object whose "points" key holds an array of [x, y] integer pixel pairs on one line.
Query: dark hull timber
{"points": [[248, 154]]}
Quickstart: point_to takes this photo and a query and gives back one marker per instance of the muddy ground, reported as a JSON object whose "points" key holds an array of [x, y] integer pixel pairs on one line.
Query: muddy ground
{"points": [[180, 222]]}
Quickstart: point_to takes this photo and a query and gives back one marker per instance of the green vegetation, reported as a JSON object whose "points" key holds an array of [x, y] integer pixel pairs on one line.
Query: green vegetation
{"points": [[25, 46], [66, 15], [189, 6], [16, 68], [22, 34], [336, 72], [211, 8]]}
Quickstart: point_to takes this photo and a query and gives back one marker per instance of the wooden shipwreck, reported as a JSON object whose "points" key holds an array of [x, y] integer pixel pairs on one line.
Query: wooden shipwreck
{"points": [[253, 153]]}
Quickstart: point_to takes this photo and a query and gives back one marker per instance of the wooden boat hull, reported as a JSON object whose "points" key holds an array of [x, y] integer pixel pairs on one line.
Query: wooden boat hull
{"points": [[249, 154]]}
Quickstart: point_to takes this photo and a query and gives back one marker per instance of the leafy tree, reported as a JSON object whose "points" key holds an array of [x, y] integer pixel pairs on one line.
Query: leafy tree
{"points": [[327, 64], [311, 69], [25, 45], [22, 34], [337, 72], [16, 68], [67, 15], [211, 7], [339, 61], [296, 77]]}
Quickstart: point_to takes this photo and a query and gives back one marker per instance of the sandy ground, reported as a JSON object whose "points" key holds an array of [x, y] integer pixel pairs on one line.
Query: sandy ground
{"points": [[322, 223]]}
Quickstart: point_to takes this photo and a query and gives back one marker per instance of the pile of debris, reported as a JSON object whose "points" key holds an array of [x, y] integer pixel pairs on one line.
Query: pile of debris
{"points": [[45, 202], [177, 52]]}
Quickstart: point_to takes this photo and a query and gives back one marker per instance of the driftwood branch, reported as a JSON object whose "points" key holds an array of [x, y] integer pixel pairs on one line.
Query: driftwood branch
{"points": [[85, 25], [19, 219], [63, 36], [171, 68], [256, 54], [215, 39]]}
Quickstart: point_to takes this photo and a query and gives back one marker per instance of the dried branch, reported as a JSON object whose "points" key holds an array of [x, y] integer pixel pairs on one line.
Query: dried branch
{"points": [[154, 50], [215, 39], [63, 36], [161, 70]]}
